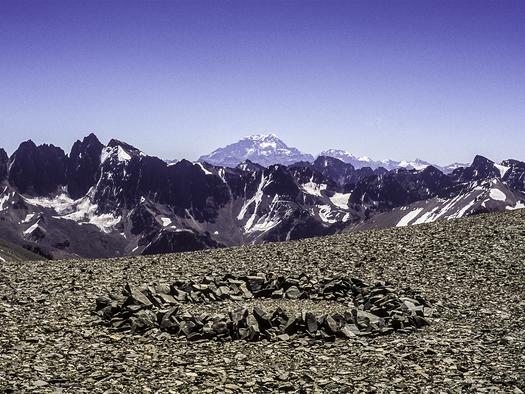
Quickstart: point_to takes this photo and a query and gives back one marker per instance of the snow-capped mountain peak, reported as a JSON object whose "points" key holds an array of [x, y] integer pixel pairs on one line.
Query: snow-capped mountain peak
{"points": [[261, 137], [365, 161], [264, 149], [416, 164]]}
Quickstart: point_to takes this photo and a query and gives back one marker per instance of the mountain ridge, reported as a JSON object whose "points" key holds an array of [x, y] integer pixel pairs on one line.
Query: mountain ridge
{"points": [[268, 149], [114, 200]]}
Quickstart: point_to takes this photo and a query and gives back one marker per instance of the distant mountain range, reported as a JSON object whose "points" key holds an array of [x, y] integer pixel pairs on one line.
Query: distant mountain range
{"points": [[269, 149], [113, 200]]}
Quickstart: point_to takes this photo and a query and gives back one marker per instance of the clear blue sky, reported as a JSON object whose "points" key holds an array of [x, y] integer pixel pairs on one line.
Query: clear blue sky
{"points": [[440, 80]]}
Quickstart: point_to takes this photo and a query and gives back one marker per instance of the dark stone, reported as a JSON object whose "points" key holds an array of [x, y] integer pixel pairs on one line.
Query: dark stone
{"points": [[166, 298], [238, 315], [254, 283], [283, 337], [102, 302], [166, 321], [187, 327], [262, 318], [293, 293], [180, 295], [311, 322], [142, 320], [331, 325], [220, 328], [327, 337], [419, 321], [244, 333], [290, 326], [278, 293], [349, 330], [135, 296], [253, 328]]}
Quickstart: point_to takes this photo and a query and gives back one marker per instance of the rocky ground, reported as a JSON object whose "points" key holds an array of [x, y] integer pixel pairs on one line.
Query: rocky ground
{"points": [[471, 270]]}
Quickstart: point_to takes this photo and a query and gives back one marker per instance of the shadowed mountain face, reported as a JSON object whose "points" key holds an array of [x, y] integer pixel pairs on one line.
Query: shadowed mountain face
{"points": [[401, 187], [4, 159], [111, 200], [83, 169], [37, 170]]}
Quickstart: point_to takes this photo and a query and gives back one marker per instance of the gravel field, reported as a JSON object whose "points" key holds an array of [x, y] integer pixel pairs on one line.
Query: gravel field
{"points": [[472, 270]]}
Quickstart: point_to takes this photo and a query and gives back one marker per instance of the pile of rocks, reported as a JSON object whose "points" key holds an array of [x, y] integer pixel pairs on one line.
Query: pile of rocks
{"points": [[370, 310]]}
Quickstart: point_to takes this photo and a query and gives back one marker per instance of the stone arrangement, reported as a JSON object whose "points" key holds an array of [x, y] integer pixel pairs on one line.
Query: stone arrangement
{"points": [[369, 310]]}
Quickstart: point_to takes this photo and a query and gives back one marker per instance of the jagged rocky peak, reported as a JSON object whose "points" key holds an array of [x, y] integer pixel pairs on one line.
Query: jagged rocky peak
{"points": [[365, 161], [4, 159], [119, 151], [37, 170], [400, 187], [481, 168], [347, 157], [416, 164], [335, 169], [129, 148], [83, 168], [481, 161], [248, 165], [338, 154], [434, 179], [515, 175], [263, 149], [330, 161], [454, 166]]}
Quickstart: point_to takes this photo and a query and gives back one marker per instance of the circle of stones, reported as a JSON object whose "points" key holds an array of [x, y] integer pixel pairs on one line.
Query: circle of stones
{"points": [[372, 309]]}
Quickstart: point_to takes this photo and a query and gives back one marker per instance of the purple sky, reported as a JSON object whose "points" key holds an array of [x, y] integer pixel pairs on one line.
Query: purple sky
{"points": [[440, 80]]}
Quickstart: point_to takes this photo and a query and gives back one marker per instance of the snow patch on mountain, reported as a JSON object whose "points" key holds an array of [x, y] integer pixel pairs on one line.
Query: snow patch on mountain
{"points": [[498, 195], [325, 213], [114, 151], [518, 205], [206, 172], [4, 200], [61, 203], [340, 200], [28, 218], [31, 228], [502, 169], [256, 199], [315, 189], [417, 164], [165, 222], [454, 166], [405, 220], [82, 211]]}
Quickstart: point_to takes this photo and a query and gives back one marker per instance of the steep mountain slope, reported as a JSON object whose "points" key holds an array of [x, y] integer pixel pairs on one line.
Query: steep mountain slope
{"points": [[11, 252], [265, 149], [482, 187]]}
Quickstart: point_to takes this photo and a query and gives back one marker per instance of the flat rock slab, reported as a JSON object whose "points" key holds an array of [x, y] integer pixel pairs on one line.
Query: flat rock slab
{"points": [[472, 271]]}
